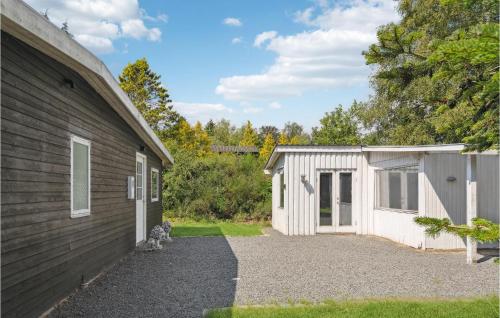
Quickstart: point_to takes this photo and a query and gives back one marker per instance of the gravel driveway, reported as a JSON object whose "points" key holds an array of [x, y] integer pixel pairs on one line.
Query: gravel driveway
{"points": [[191, 274]]}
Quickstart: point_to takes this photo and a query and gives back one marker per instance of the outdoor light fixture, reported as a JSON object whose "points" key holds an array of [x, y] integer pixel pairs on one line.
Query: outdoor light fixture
{"points": [[303, 178], [451, 179], [68, 83]]}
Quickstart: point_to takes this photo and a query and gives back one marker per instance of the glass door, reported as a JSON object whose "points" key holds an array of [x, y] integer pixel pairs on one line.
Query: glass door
{"points": [[344, 202], [335, 202], [326, 216]]}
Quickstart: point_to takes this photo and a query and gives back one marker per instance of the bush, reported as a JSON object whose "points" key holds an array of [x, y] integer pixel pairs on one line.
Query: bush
{"points": [[217, 187]]}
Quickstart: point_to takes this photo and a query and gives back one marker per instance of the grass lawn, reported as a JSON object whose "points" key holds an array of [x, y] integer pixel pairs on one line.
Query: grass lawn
{"points": [[217, 228], [464, 308]]}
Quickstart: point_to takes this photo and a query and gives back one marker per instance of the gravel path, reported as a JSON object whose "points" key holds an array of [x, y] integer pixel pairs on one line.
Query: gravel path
{"points": [[191, 274]]}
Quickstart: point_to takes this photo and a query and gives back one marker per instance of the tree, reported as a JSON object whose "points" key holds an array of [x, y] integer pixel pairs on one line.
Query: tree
{"points": [[337, 128], [295, 134], [193, 139], [145, 90], [267, 147], [223, 133], [210, 127], [283, 139], [265, 130], [436, 77], [249, 135], [482, 230]]}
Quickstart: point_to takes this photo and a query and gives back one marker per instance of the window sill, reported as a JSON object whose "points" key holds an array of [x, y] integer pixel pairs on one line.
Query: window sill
{"points": [[396, 210], [79, 214], [155, 200]]}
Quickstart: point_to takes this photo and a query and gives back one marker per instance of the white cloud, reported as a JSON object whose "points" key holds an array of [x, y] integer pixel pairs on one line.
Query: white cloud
{"points": [[237, 40], [95, 43], [97, 23], [263, 37], [202, 111], [136, 29], [275, 105], [252, 110], [325, 57], [232, 22]]}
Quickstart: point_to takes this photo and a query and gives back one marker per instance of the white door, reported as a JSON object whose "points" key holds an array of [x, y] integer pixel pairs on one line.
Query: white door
{"points": [[140, 199], [335, 201]]}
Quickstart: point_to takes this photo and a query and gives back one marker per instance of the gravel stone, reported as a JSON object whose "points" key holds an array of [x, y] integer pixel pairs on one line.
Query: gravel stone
{"points": [[192, 274]]}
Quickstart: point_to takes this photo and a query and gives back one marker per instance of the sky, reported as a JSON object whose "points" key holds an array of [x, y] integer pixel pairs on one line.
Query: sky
{"points": [[269, 62]]}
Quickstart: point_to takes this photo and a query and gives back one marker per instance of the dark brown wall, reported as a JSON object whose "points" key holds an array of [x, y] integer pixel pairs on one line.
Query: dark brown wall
{"points": [[45, 253]]}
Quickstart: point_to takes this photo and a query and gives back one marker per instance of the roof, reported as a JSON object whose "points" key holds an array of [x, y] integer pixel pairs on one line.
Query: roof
{"points": [[26, 24], [278, 150], [234, 149]]}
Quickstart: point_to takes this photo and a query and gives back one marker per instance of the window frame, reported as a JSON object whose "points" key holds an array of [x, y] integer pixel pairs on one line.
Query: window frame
{"points": [[281, 203], [154, 170], [403, 170], [80, 212]]}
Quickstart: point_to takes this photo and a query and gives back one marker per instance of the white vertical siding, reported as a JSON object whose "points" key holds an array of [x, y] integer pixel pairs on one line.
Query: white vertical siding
{"points": [[438, 197], [279, 215], [301, 197], [487, 187], [443, 198]]}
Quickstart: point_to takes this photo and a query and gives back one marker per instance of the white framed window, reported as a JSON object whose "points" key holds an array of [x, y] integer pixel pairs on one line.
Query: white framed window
{"points": [[80, 177], [397, 189], [282, 190], [155, 185]]}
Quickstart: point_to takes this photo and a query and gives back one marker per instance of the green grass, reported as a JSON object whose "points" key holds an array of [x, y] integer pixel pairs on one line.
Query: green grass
{"points": [[390, 308], [216, 228]]}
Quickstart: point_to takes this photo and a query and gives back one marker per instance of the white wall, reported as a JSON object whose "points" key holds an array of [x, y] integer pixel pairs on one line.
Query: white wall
{"points": [[395, 225], [279, 215], [437, 196], [300, 198]]}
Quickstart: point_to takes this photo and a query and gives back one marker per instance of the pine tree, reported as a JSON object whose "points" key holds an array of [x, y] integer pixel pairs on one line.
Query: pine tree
{"points": [[250, 137], [145, 90], [267, 147]]}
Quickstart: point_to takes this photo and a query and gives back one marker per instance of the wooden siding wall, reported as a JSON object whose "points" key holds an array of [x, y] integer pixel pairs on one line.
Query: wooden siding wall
{"points": [[45, 253], [300, 198]]}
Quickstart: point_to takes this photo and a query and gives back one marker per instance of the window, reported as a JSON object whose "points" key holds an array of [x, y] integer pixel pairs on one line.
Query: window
{"points": [[155, 184], [80, 177], [282, 190], [397, 189]]}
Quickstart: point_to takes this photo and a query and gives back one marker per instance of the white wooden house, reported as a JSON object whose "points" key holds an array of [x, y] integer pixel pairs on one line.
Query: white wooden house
{"points": [[378, 190]]}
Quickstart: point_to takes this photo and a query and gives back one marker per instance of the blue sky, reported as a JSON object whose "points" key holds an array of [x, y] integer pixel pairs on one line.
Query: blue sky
{"points": [[265, 61]]}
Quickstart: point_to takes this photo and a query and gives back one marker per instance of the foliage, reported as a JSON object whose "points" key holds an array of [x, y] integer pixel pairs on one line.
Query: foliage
{"points": [[186, 227], [337, 128], [265, 130], [192, 139], [145, 90], [436, 76], [283, 139], [295, 134], [267, 147], [217, 186], [482, 230], [388, 308], [249, 135]]}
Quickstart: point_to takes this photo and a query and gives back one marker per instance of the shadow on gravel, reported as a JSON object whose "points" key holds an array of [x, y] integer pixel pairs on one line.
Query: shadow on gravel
{"points": [[186, 277]]}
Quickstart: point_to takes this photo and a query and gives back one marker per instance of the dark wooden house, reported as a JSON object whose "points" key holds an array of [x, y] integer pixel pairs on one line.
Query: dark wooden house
{"points": [[80, 167]]}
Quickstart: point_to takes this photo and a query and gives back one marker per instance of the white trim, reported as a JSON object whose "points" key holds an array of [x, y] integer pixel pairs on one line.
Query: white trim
{"points": [[81, 212], [26, 24], [422, 148], [144, 192], [157, 185]]}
